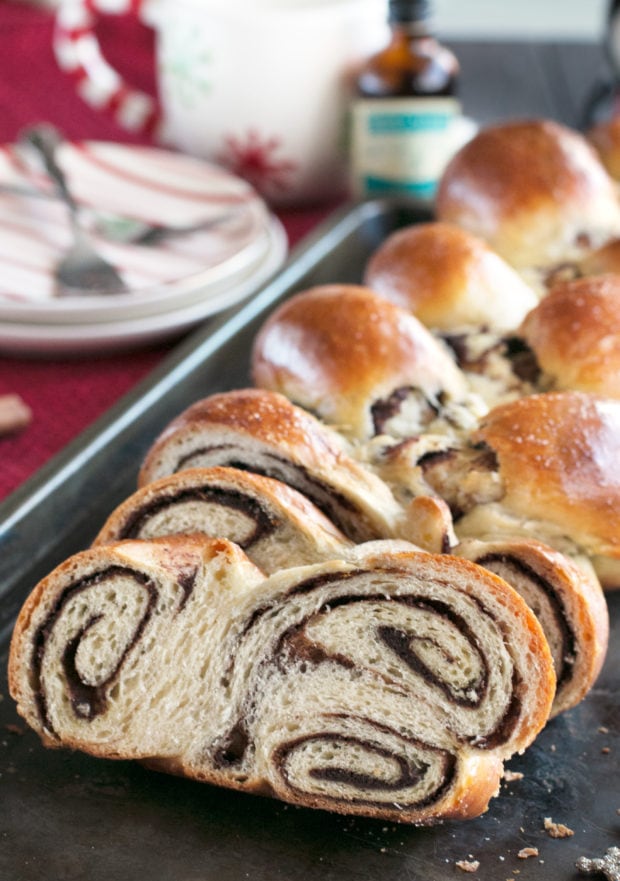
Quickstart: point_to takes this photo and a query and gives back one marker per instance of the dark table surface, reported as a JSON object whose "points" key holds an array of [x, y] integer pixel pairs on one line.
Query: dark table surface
{"points": [[502, 80]]}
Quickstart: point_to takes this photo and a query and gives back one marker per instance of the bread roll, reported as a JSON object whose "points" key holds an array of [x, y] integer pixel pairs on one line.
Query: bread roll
{"points": [[534, 190], [360, 363], [449, 279], [574, 333], [262, 432], [557, 460], [566, 598], [391, 687], [569, 341], [276, 526]]}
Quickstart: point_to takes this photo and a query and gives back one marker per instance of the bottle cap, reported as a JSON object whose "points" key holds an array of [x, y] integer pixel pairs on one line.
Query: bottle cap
{"points": [[409, 10]]}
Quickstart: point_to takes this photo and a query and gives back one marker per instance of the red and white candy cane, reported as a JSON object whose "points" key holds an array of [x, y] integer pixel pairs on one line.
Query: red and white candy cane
{"points": [[79, 54]]}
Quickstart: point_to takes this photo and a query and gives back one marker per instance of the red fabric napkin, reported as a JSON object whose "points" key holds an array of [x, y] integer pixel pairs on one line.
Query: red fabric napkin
{"points": [[66, 395]]}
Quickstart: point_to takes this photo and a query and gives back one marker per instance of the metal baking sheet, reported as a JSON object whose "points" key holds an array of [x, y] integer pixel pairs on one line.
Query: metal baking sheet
{"points": [[65, 815]]}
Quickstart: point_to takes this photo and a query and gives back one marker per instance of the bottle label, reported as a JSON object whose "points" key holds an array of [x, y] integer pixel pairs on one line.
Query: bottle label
{"points": [[401, 145]]}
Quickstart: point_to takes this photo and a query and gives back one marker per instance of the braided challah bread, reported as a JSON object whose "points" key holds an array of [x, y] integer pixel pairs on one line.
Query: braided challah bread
{"points": [[449, 278], [362, 364], [393, 685]]}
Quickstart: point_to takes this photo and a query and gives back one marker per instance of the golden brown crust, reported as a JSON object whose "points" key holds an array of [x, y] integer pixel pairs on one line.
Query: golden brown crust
{"points": [[448, 278], [534, 189], [575, 334], [431, 524], [264, 415], [336, 349], [558, 456]]}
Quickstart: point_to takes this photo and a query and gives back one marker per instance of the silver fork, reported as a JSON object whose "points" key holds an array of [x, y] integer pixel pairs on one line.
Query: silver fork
{"points": [[82, 271]]}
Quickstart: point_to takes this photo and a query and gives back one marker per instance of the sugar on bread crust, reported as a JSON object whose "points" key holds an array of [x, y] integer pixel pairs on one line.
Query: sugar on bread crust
{"points": [[393, 685], [351, 356], [535, 190], [574, 333], [449, 278], [557, 458]]}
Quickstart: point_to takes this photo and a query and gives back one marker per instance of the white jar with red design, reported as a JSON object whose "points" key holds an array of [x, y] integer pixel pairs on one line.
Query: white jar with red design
{"points": [[259, 86]]}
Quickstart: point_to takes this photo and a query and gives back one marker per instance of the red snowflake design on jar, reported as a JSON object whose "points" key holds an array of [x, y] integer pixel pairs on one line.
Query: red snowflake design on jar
{"points": [[253, 157]]}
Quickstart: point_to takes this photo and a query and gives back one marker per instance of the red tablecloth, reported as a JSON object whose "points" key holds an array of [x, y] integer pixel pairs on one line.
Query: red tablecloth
{"points": [[66, 395]]}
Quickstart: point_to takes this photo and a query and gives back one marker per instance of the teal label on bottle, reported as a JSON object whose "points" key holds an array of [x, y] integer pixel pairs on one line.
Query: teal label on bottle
{"points": [[401, 145]]}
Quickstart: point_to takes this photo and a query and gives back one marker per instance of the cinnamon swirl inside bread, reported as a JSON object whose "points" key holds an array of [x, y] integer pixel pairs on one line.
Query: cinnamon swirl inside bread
{"points": [[263, 432]]}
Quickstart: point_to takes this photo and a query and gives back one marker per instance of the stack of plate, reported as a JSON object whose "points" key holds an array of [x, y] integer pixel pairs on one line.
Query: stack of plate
{"points": [[173, 284]]}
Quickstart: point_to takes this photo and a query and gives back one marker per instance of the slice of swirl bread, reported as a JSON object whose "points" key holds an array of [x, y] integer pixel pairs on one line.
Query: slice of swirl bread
{"points": [[275, 525], [392, 685], [262, 432], [566, 598]]}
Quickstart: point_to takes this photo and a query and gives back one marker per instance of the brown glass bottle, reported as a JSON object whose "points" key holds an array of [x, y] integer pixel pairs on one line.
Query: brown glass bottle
{"points": [[403, 108]]}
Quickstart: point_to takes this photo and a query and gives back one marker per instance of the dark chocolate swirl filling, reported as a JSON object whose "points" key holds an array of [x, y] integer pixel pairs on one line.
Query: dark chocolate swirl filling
{"points": [[514, 349], [87, 701], [342, 511], [385, 409], [294, 646], [264, 522], [568, 650], [409, 772]]}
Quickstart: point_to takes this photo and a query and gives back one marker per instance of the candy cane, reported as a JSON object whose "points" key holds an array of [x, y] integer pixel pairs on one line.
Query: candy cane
{"points": [[78, 53]]}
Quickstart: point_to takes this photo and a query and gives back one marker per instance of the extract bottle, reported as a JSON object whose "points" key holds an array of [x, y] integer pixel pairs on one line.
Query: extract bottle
{"points": [[404, 108]]}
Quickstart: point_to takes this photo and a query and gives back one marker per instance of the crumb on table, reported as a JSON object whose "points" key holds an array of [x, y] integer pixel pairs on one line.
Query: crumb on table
{"points": [[557, 830], [468, 865]]}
